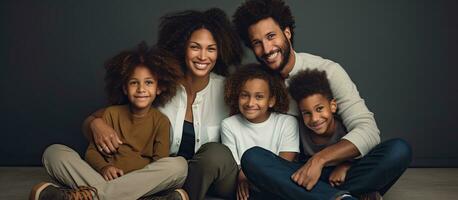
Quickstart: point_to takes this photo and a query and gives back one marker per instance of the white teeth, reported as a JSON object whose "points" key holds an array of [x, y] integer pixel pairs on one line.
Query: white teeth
{"points": [[271, 56], [200, 65]]}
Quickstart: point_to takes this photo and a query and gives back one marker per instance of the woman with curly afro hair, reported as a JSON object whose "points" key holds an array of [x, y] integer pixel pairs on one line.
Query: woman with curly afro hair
{"points": [[206, 45], [258, 100]]}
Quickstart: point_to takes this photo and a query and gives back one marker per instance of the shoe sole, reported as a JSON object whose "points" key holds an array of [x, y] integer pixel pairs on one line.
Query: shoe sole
{"points": [[37, 189], [183, 194]]}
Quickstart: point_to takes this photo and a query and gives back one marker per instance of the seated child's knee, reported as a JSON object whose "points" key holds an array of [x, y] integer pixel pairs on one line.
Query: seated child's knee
{"points": [[180, 165], [252, 154], [56, 153]]}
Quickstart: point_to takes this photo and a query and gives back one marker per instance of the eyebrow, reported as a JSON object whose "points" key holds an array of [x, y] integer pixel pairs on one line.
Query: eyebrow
{"points": [[312, 107], [138, 79], [271, 32], [200, 44], [255, 93]]}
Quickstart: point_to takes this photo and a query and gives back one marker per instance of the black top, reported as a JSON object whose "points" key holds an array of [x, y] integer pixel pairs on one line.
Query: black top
{"points": [[187, 141]]}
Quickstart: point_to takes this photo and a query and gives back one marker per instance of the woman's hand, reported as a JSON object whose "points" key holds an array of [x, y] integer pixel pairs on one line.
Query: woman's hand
{"points": [[105, 138]]}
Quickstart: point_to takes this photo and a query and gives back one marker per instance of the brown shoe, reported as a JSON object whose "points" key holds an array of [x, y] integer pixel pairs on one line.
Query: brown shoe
{"points": [[177, 194], [46, 191], [371, 196]]}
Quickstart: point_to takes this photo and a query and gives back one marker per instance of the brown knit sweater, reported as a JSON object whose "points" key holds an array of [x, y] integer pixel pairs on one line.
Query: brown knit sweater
{"points": [[144, 139]]}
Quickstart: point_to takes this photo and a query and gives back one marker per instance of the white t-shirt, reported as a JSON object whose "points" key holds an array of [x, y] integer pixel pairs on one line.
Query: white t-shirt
{"points": [[279, 133]]}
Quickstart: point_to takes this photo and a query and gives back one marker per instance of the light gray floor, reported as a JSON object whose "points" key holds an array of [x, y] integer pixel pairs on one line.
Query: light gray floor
{"points": [[416, 183]]}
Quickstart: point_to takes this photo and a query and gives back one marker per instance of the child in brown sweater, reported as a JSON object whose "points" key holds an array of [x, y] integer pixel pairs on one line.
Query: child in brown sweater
{"points": [[136, 81]]}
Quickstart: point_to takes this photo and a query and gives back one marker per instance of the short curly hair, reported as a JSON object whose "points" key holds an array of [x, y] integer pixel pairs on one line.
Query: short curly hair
{"points": [[253, 11], [175, 29], [237, 80], [309, 82], [161, 64]]}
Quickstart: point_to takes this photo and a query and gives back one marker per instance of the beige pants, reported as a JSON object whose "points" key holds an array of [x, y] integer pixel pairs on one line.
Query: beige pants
{"points": [[66, 167]]}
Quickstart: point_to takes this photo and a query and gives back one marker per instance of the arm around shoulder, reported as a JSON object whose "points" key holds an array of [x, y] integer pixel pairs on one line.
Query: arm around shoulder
{"points": [[97, 130], [359, 121], [86, 127]]}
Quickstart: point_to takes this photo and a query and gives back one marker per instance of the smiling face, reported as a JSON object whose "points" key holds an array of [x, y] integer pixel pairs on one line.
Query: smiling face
{"points": [[270, 44], [141, 89], [255, 100], [317, 112], [201, 53]]}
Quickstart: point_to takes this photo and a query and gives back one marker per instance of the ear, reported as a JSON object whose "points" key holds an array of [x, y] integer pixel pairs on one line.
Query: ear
{"points": [[287, 33], [158, 91], [333, 105], [272, 101], [124, 89]]}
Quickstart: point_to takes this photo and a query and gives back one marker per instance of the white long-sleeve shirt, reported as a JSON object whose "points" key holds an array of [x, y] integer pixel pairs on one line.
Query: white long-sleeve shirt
{"points": [[356, 117], [208, 110]]}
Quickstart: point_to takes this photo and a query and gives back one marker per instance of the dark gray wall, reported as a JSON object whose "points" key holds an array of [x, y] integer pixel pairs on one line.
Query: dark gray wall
{"points": [[400, 54]]}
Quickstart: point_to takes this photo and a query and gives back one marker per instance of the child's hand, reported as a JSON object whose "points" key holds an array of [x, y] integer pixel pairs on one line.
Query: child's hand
{"points": [[339, 173], [111, 172], [243, 187]]}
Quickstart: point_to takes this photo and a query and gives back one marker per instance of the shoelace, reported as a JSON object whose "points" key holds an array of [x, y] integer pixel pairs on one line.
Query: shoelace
{"points": [[81, 193]]}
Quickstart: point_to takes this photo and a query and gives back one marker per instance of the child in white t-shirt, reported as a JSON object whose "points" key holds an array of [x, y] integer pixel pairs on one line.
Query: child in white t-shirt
{"points": [[257, 98]]}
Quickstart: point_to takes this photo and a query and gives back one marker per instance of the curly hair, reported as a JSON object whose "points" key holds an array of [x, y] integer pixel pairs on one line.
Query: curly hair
{"points": [[253, 11], [160, 63], [309, 82], [237, 80], [175, 29]]}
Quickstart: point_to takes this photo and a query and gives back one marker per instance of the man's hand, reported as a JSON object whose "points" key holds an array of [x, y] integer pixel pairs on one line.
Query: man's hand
{"points": [[243, 187], [111, 172], [105, 138], [339, 173], [307, 176]]}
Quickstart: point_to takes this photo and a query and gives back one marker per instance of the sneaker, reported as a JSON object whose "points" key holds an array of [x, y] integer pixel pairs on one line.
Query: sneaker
{"points": [[45, 191], [371, 196], [177, 194]]}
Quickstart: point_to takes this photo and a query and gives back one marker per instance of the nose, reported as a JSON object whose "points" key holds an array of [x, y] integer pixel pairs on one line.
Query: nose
{"points": [[251, 102], [141, 88], [315, 117], [266, 46], [202, 55]]}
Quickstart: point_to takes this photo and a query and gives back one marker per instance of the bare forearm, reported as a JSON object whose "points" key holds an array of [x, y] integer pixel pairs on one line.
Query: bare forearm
{"points": [[86, 128], [336, 153], [289, 156]]}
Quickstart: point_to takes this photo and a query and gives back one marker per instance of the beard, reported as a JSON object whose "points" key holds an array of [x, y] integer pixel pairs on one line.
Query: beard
{"points": [[284, 50]]}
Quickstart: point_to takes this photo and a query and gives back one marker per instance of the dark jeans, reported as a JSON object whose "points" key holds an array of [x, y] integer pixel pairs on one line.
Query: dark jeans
{"points": [[212, 170], [376, 171]]}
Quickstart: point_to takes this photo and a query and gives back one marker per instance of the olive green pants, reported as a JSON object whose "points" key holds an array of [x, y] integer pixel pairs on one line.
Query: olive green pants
{"points": [[212, 171]]}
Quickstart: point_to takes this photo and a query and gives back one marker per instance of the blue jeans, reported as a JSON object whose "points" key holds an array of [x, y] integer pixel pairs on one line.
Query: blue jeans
{"points": [[376, 171]]}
